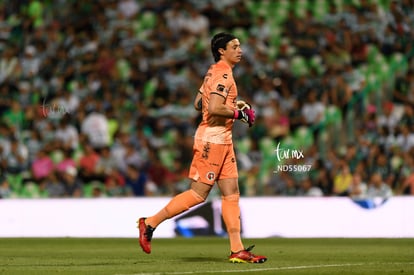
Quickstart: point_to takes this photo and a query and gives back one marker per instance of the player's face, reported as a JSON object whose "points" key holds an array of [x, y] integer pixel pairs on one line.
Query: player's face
{"points": [[233, 52]]}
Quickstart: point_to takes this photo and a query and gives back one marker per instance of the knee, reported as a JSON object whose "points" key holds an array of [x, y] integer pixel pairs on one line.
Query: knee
{"points": [[231, 198], [198, 197], [201, 189]]}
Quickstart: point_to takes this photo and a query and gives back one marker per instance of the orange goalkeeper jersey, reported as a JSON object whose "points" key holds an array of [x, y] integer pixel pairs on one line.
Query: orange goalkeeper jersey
{"points": [[218, 80]]}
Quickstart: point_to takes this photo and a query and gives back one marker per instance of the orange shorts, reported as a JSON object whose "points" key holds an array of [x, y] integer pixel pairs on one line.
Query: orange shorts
{"points": [[212, 162]]}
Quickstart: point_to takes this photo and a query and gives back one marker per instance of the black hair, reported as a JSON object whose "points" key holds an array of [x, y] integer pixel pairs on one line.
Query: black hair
{"points": [[220, 40]]}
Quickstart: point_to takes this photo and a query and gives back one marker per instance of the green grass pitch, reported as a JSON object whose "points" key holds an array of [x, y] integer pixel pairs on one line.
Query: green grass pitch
{"points": [[204, 256]]}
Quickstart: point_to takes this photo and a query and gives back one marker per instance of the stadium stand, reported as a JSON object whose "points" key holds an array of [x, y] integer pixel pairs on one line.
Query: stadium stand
{"points": [[99, 93]]}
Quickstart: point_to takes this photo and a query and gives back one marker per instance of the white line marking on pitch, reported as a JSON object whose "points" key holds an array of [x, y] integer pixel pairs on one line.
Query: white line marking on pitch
{"points": [[260, 269]]}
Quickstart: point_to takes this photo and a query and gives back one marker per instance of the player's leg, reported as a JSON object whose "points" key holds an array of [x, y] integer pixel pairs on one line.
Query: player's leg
{"points": [[229, 188], [180, 203], [231, 216], [202, 172]]}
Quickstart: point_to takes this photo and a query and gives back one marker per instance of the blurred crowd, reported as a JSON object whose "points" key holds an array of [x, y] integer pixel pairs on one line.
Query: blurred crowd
{"points": [[96, 96]]}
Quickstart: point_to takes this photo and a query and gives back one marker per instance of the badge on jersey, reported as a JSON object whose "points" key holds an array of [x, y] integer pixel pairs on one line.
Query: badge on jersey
{"points": [[220, 88], [211, 176]]}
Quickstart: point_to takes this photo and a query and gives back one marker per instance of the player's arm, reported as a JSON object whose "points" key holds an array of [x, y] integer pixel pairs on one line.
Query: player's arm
{"points": [[198, 101], [217, 106]]}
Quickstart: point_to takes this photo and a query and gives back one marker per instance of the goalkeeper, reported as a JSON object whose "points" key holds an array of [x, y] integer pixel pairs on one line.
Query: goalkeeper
{"points": [[214, 159]]}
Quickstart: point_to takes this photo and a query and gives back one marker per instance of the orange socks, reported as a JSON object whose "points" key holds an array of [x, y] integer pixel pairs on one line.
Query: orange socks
{"points": [[231, 216], [177, 205], [189, 198]]}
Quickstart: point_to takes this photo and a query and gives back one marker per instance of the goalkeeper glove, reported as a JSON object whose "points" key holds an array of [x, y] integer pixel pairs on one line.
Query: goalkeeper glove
{"points": [[245, 112]]}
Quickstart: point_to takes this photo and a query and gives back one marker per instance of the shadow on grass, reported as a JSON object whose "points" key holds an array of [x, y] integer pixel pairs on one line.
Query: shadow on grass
{"points": [[201, 259]]}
